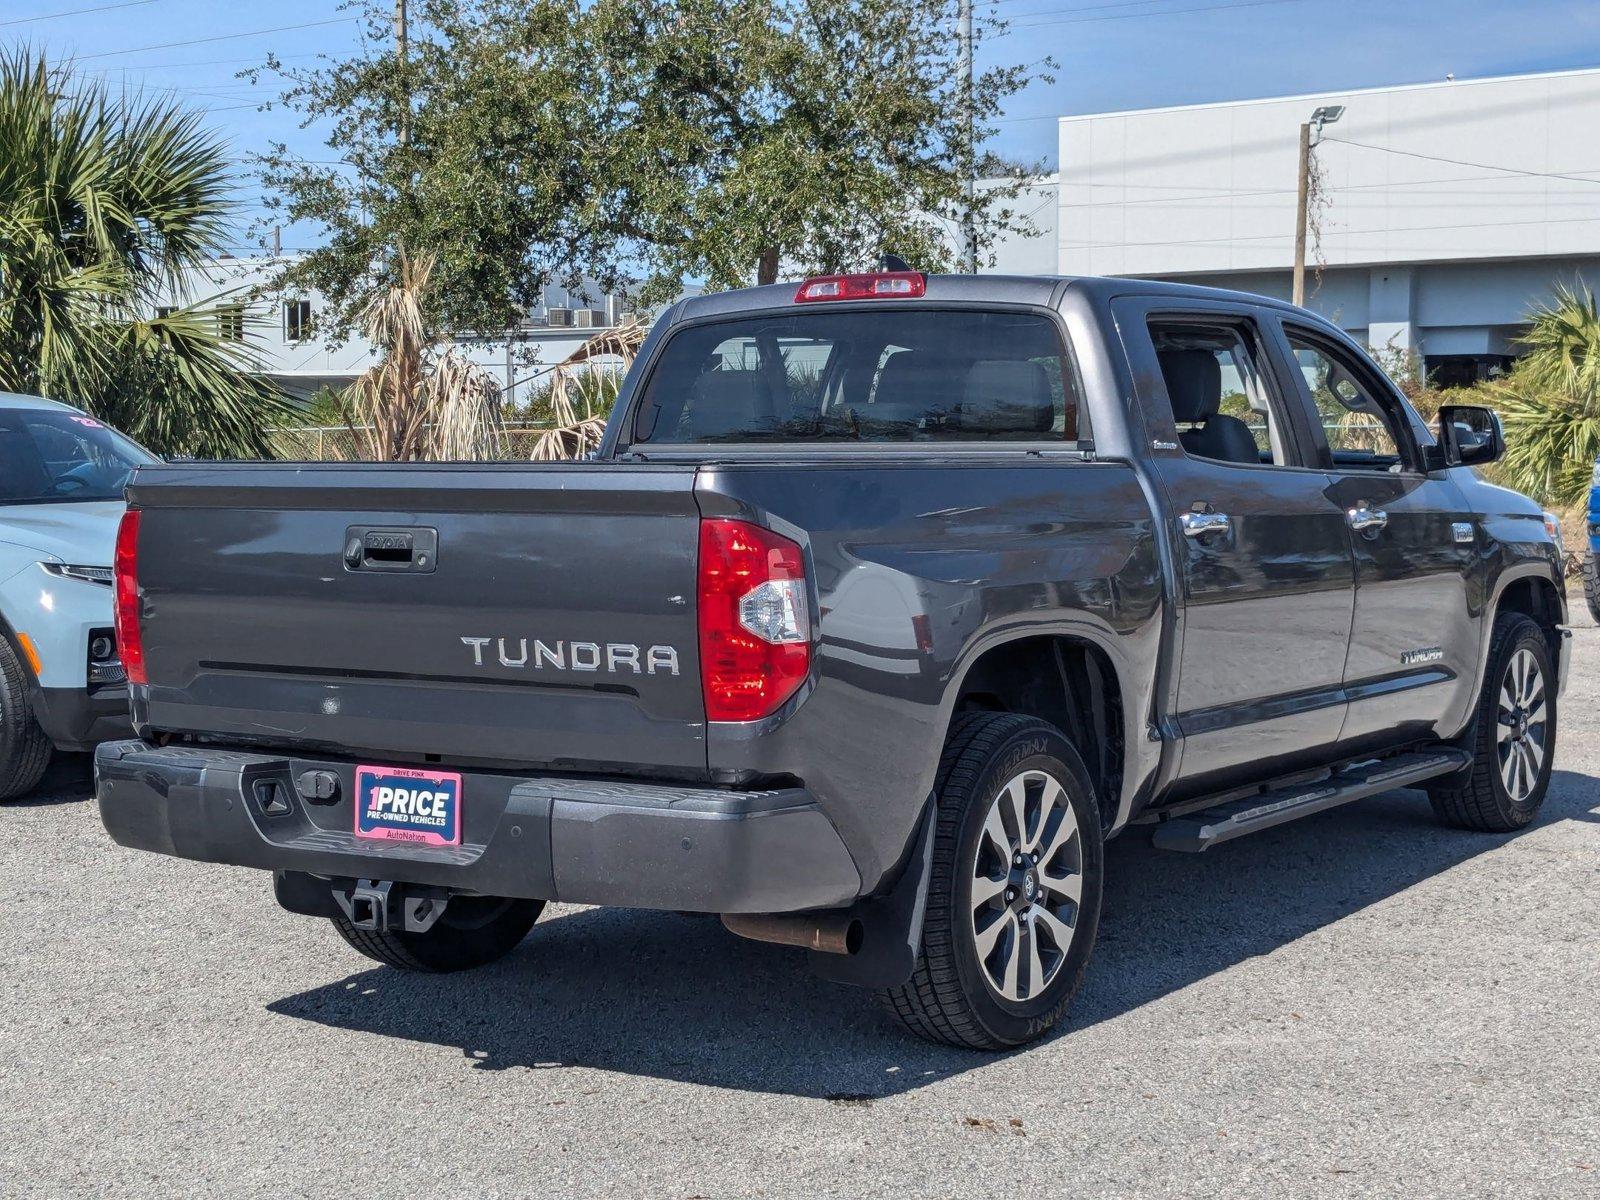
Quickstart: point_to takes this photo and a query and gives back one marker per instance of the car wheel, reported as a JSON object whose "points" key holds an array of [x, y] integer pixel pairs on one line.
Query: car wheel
{"points": [[473, 931], [1014, 894], [24, 748], [1591, 584], [1513, 736]]}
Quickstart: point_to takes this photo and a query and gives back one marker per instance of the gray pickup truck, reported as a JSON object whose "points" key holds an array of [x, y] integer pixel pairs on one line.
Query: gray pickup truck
{"points": [[883, 604]]}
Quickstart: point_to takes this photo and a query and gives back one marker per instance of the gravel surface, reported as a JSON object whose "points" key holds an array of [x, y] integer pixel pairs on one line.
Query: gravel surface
{"points": [[1362, 1003]]}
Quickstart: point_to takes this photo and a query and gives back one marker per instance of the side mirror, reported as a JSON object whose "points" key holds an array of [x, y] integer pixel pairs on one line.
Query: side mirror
{"points": [[1470, 436]]}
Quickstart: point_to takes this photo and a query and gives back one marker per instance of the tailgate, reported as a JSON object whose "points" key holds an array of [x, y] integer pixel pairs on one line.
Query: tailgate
{"points": [[518, 614]]}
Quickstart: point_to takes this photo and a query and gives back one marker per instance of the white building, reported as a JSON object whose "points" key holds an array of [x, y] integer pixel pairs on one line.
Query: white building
{"points": [[1448, 209], [282, 329]]}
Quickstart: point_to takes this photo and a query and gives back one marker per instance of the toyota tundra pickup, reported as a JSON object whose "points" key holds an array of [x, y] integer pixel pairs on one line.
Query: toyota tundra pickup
{"points": [[884, 602]]}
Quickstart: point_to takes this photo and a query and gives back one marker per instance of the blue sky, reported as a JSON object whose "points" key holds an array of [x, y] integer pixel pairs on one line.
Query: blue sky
{"points": [[1111, 54]]}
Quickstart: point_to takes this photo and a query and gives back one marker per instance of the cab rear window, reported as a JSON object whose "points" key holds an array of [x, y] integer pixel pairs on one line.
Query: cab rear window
{"points": [[886, 375]]}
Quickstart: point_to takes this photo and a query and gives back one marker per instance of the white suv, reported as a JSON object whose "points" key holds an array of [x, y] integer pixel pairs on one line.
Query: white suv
{"points": [[61, 683]]}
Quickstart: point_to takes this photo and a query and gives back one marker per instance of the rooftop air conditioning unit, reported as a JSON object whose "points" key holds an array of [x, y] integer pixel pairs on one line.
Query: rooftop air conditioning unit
{"points": [[589, 318], [559, 316]]}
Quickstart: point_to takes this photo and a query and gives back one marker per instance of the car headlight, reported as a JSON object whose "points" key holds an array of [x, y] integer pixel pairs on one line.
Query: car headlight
{"points": [[87, 574]]}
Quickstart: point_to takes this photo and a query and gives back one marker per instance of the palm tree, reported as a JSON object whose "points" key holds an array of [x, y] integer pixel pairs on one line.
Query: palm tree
{"points": [[1550, 402], [418, 402], [104, 202]]}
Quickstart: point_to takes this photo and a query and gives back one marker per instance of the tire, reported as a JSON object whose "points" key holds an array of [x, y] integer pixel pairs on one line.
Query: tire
{"points": [[474, 931], [24, 748], [1493, 796], [958, 994], [1591, 584]]}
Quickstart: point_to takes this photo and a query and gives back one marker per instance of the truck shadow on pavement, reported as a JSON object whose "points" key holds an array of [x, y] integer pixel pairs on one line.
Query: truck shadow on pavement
{"points": [[674, 997], [67, 780]]}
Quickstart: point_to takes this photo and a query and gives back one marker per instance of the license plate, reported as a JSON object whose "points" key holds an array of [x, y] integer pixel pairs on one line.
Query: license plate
{"points": [[401, 804]]}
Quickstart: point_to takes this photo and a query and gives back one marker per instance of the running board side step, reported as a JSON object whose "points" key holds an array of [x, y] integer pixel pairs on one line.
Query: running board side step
{"points": [[1197, 831]]}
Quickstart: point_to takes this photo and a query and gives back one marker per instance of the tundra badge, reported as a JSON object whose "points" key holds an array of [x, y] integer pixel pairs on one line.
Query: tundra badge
{"points": [[614, 657]]}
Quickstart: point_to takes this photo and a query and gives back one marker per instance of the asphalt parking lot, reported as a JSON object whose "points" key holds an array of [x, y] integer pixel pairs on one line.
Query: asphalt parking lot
{"points": [[1363, 1003]]}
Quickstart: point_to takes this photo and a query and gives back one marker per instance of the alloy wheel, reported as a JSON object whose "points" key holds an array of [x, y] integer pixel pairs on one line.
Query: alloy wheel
{"points": [[1521, 716], [1027, 881]]}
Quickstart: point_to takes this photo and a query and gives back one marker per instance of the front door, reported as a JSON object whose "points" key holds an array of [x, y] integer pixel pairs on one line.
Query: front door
{"points": [[1261, 548], [1413, 643]]}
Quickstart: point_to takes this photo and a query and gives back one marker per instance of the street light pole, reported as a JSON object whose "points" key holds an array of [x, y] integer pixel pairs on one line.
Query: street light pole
{"points": [[1325, 115], [969, 232], [1300, 216], [402, 51]]}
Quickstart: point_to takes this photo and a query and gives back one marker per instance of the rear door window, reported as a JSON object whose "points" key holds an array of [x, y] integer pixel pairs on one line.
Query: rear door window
{"points": [[887, 375], [1222, 402]]}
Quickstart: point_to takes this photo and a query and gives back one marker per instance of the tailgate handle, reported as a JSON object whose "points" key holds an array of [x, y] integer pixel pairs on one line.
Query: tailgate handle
{"points": [[390, 548]]}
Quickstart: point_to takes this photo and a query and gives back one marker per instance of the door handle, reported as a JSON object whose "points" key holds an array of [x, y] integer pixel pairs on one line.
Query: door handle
{"points": [[1362, 519], [1205, 524]]}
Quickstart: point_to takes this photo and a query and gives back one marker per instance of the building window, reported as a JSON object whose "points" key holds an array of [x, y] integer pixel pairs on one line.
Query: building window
{"points": [[1464, 370], [230, 323], [296, 320]]}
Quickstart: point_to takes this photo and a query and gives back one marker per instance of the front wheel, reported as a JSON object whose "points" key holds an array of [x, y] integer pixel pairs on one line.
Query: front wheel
{"points": [[1513, 738], [1591, 584], [1014, 894], [24, 748], [472, 932]]}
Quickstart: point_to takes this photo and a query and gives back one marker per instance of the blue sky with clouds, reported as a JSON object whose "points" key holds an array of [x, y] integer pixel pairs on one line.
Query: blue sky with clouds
{"points": [[1110, 54]]}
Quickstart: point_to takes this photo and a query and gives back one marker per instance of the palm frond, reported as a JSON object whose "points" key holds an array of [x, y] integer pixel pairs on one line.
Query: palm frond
{"points": [[415, 403], [1550, 402], [104, 200]]}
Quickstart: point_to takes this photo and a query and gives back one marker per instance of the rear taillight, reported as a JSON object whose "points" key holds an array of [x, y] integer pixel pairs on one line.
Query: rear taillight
{"points": [[884, 285], [126, 609], [755, 620]]}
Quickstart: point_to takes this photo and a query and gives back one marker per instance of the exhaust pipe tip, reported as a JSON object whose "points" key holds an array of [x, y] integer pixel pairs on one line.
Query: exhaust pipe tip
{"points": [[827, 933]]}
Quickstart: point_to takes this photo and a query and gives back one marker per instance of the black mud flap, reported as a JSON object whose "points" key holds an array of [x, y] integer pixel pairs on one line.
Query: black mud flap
{"points": [[891, 924]]}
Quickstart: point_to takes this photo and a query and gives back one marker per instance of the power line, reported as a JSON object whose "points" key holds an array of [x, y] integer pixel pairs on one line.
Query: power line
{"points": [[1457, 162], [1234, 194], [221, 37], [1019, 25], [209, 62], [77, 12], [1327, 234], [1051, 12]]}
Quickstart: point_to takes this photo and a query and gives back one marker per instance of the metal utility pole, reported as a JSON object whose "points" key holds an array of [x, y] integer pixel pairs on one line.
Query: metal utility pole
{"points": [[402, 55], [1300, 216], [969, 231]]}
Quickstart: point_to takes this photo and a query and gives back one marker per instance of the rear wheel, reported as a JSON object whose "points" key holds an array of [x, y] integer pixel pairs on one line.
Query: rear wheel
{"points": [[472, 932], [1014, 896], [1514, 735], [24, 748]]}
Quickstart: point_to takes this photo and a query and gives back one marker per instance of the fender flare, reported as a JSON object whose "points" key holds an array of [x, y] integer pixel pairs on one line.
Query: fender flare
{"points": [[1136, 770]]}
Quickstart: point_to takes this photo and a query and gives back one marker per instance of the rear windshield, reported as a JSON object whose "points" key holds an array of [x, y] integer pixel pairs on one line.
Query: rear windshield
{"points": [[889, 375], [48, 455]]}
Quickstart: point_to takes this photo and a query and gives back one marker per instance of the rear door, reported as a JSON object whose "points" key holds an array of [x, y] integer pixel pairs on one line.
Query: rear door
{"points": [[1413, 644], [1260, 544]]}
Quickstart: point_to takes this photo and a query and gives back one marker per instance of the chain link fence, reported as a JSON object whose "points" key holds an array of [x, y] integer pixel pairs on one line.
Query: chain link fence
{"points": [[342, 443]]}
